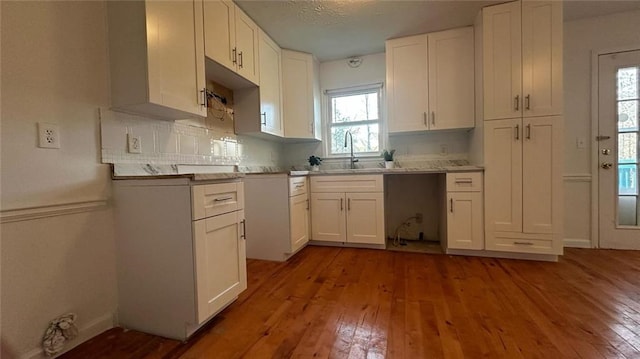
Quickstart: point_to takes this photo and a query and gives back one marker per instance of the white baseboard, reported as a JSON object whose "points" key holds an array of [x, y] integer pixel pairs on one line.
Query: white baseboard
{"points": [[93, 328], [577, 243]]}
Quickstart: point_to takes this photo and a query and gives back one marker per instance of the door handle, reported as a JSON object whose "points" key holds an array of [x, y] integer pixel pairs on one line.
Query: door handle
{"points": [[606, 165], [307, 204]]}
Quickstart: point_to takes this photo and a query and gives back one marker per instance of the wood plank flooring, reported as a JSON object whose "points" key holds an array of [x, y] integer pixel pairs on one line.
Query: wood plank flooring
{"points": [[357, 303]]}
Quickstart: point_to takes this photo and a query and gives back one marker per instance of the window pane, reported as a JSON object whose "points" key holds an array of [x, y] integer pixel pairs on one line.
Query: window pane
{"points": [[628, 115], [351, 108], [628, 147], [628, 83], [365, 139], [628, 179], [627, 208]]}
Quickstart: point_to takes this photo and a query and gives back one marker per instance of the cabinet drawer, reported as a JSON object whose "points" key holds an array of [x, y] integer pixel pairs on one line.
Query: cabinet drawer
{"points": [[521, 245], [358, 183], [464, 182], [297, 185], [212, 199]]}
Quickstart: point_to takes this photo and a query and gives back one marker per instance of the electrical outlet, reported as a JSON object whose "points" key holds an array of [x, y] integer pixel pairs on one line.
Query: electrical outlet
{"points": [[134, 143], [444, 149], [418, 217], [48, 135], [581, 142]]}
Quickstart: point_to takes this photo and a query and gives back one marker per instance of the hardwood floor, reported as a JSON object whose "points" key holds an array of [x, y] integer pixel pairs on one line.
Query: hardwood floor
{"points": [[356, 303]]}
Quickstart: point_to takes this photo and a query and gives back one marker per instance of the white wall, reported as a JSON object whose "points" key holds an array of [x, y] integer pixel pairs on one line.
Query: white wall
{"points": [[581, 37], [54, 69]]}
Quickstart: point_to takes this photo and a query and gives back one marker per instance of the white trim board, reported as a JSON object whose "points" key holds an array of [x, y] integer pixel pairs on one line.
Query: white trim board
{"points": [[30, 213]]}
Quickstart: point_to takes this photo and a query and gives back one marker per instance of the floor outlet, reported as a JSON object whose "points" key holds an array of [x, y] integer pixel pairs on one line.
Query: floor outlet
{"points": [[134, 144], [48, 135]]}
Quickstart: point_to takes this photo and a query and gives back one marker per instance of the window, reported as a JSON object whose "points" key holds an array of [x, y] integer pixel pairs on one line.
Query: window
{"points": [[358, 112]]}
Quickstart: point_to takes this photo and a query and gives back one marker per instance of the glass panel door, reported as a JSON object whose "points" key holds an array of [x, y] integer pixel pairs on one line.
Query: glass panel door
{"points": [[627, 105]]}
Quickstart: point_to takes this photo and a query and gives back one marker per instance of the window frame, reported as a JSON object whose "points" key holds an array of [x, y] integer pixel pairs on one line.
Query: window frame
{"points": [[328, 124]]}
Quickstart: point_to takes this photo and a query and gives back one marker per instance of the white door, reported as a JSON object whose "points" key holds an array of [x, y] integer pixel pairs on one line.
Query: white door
{"points": [[502, 61], [365, 218], [328, 217], [451, 81], [503, 175], [618, 112], [407, 79], [299, 221], [270, 86]]}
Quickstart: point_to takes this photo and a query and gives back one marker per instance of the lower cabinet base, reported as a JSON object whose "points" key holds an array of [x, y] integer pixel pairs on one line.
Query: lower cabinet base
{"points": [[507, 255], [347, 245]]}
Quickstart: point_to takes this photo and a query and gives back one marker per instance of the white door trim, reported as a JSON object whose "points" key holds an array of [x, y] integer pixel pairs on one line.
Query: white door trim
{"points": [[595, 181]]}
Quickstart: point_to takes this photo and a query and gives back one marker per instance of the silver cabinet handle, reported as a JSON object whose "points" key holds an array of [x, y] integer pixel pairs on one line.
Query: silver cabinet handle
{"points": [[424, 115], [517, 103], [244, 229], [299, 185], [234, 55], [223, 199], [464, 180], [341, 206], [528, 131], [307, 204], [264, 115], [204, 97], [451, 204], [241, 62], [523, 243], [348, 204], [517, 132], [527, 102], [433, 118]]}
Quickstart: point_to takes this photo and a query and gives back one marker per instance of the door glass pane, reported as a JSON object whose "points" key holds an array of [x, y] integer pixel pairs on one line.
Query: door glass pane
{"points": [[628, 83], [628, 91], [628, 115]]}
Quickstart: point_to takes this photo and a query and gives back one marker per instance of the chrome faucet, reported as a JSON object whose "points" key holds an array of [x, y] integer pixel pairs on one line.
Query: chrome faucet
{"points": [[352, 158]]}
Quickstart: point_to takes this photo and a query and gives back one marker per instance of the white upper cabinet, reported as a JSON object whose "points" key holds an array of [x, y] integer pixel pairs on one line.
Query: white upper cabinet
{"points": [[451, 79], [407, 84], [522, 57], [300, 95], [430, 81], [156, 53], [270, 86], [231, 38]]}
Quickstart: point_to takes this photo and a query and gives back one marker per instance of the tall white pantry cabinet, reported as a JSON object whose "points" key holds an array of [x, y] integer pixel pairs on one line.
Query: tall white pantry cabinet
{"points": [[522, 101], [181, 252]]}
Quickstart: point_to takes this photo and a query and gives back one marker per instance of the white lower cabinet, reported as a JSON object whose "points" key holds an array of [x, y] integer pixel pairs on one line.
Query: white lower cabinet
{"points": [[464, 229], [277, 211], [347, 209], [180, 253]]}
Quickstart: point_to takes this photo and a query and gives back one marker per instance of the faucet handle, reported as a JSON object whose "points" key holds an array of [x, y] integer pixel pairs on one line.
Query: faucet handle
{"points": [[355, 160]]}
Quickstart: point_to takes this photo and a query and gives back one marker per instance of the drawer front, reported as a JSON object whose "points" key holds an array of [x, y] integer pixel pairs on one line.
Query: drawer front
{"points": [[521, 245], [464, 182], [358, 183], [297, 185], [213, 199]]}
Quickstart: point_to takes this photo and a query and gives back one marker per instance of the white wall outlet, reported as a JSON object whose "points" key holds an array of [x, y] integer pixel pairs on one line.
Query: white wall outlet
{"points": [[134, 143], [48, 135], [581, 142]]}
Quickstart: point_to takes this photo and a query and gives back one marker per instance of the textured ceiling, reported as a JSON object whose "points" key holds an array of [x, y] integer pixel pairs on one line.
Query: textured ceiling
{"points": [[337, 29]]}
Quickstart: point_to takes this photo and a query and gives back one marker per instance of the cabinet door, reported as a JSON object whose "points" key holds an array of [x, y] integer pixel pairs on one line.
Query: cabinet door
{"points": [[297, 94], [451, 79], [270, 85], [503, 176], [220, 32], [407, 81], [247, 47], [328, 217], [365, 218], [220, 262], [299, 221], [542, 180], [502, 61], [464, 220], [175, 48], [542, 58]]}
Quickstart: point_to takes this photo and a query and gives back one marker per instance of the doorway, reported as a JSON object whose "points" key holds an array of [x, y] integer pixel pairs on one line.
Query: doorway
{"points": [[618, 147]]}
